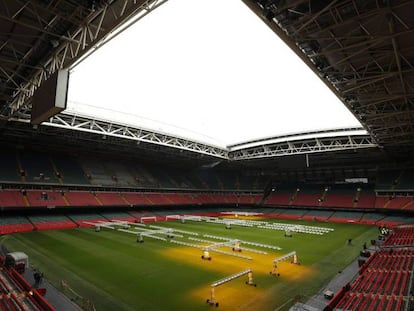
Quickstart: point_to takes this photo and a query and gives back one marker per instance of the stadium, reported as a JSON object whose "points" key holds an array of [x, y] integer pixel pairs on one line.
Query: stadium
{"points": [[101, 214]]}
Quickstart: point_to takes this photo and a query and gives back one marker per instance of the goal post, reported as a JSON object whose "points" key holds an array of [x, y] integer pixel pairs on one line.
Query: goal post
{"points": [[172, 217], [148, 219]]}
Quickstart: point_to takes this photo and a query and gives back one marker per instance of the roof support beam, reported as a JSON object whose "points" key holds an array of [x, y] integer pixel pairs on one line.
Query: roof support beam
{"points": [[111, 129], [89, 36]]}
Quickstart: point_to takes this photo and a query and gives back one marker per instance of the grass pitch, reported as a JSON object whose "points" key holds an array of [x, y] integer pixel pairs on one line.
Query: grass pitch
{"points": [[116, 273]]}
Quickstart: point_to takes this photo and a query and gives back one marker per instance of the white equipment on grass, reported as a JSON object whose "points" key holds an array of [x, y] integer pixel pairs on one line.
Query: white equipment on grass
{"points": [[225, 280], [283, 258]]}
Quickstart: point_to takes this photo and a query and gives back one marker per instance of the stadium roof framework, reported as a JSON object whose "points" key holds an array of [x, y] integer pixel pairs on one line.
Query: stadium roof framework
{"points": [[361, 49]]}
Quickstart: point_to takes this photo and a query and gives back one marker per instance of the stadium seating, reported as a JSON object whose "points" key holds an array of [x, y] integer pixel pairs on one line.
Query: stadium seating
{"points": [[137, 199], [291, 214], [39, 198], [45, 198], [317, 215], [394, 221], [245, 182], [366, 199], [388, 180], [85, 220], [37, 167], [209, 179], [384, 280], [111, 198], [8, 166], [397, 202], [346, 217], [230, 181], [97, 173], [179, 199], [307, 197], [279, 197], [11, 224], [249, 198], [401, 237], [14, 291], [35, 179], [81, 198], [51, 222], [371, 218], [164, 179], [119, 173], [339, 200], [340, 197], [406, 181], [142, 176], [181, 179], [69, 169], [381, 201], [42, 168], [12, 198], [113, 216], [158, 199]]}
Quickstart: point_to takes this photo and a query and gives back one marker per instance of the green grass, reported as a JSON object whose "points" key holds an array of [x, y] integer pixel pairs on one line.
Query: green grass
{"points": [[116, 273]]}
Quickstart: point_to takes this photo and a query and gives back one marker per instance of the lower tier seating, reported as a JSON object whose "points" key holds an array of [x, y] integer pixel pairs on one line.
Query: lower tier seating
{"points": [[385, 278]]}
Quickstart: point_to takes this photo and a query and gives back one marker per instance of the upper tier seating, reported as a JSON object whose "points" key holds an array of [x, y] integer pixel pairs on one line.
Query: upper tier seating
{"points": [[164, 179], [179, 179], [209, 179], [121, 174], [69, 169], [406, 181], [229, 180], [37, 167], [388, 180], [9, 169], [98, 173]]}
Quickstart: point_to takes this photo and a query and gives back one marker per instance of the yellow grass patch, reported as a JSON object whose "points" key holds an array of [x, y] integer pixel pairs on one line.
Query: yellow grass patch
{"points": [[236, 295], [261, 264]]}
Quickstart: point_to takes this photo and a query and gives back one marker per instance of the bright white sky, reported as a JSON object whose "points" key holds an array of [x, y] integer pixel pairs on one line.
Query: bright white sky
{"points": [[208, 70]]}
